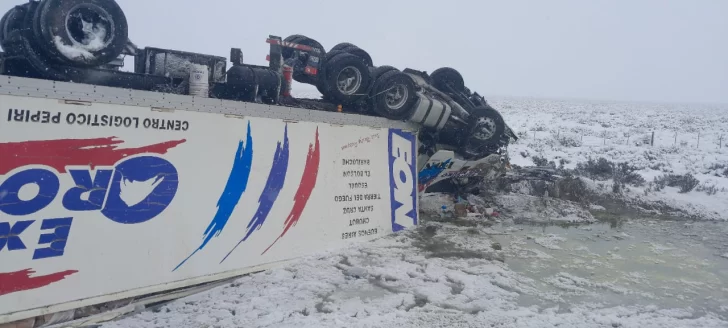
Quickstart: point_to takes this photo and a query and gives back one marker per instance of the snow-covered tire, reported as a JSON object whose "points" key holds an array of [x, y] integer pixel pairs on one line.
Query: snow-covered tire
{"points": [[345, 79], [354, 50], [59, 26], [395, 96], [442, 77]]}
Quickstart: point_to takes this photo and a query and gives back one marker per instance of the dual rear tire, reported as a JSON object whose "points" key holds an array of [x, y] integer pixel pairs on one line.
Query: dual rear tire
{"points": [[77, 33], [394, 95]]}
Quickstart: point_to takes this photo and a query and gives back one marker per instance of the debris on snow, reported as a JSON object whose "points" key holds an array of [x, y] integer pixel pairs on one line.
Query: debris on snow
{"points": [[527, 208]]}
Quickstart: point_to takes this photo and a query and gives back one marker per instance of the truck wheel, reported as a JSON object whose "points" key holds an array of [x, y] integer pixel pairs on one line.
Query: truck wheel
{"points": [[346, 79], [321, 82], [341, 46], [486, 126], [442, 77], [82, 33], [379, 71], [288, 52], [395, 96], [354, 50], [301, 39], [300, 64], [3, 22], [11, 21]]}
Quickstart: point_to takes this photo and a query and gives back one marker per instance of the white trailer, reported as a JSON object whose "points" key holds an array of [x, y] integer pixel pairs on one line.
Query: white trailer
{"points": [[110, 193]]}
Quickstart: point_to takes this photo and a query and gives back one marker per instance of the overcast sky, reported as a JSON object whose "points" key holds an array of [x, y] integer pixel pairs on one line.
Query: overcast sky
{"points": [[661, 50]]}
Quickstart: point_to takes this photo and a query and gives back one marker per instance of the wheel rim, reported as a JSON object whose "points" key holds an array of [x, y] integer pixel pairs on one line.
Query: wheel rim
{"points": [[348, 80], [396, 96], [484, 128], [89, 26]]}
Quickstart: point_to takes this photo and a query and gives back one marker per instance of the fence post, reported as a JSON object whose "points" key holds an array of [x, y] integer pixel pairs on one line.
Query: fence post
{"points": [[675, 143], [698, 140], [652, 141]]}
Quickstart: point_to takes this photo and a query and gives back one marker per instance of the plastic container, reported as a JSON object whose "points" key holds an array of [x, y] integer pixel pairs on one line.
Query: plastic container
{"points": [[199, 81]]}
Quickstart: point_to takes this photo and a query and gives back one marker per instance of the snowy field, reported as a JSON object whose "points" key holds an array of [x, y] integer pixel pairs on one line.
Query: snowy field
{"points": [[496, 273], [686, 140]]}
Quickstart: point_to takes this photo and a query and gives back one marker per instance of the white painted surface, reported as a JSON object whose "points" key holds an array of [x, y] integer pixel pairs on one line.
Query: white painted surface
{"points": [[110, 256]]}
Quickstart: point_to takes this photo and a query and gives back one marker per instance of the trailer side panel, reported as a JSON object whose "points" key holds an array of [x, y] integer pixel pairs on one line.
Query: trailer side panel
{"points": [[100, 201]]}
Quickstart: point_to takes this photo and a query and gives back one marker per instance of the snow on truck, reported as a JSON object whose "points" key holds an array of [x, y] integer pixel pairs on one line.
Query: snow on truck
{"points": [[117, 184]]}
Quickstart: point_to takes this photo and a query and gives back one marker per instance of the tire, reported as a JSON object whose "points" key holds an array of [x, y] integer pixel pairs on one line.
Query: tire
{"points": [[341, 46], [301, 39], [345, 66], [354, 50], [395, 96], [442, 77], [321, 82], [288, 52], [380, 74], [378, 71], [3, 21], [64, 19], [480, 116], [300, 64], [14, 19]]}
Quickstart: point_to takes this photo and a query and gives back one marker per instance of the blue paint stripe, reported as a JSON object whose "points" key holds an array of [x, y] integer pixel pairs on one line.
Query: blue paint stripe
{"points": [[273, 186], [234, 188]]}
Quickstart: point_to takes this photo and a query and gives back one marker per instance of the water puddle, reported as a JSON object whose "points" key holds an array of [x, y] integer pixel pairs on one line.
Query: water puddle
{"points": [[637, 262]]}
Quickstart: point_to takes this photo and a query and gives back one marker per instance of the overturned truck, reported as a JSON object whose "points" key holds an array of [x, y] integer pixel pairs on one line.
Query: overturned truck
{"points": [[86, 41], [123, 189]]}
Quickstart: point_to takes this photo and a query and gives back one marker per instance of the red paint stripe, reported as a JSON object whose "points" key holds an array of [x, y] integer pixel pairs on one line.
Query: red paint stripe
{"points": [[305, 188], [60, 153], [11, 282]]}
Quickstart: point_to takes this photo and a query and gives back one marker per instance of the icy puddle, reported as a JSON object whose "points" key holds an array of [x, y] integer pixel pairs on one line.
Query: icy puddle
{"points": [[640, 262]]}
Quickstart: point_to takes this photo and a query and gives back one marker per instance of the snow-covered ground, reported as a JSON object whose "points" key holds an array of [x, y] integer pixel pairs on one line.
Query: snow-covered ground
{"points": [[473, 273], [686, 140], [452, 279]]}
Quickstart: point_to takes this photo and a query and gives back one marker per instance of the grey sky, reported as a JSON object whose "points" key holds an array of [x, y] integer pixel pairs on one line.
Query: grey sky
{"points": [[672, 51]]}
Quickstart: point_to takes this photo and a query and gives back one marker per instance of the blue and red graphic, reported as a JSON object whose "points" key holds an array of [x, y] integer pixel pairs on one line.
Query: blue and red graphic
{"points": [[431, 171], [402, 179], [273, 186], [237, 185], [305, 188], [125, 188]]}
